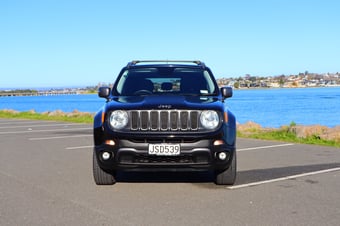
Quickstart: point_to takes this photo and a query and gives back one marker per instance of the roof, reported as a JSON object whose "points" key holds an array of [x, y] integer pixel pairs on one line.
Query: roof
{"points": [[166, 62]]}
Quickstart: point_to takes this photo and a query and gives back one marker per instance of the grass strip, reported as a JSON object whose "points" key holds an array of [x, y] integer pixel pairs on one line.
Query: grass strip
{"points": [[75, 116], [286, 135]]}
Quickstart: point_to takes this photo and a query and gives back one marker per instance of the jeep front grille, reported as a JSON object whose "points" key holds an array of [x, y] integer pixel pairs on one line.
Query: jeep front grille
{"points": [[164, 120]]}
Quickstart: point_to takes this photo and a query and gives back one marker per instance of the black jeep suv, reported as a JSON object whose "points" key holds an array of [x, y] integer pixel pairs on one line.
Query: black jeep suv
{"points": [[164, 116]]}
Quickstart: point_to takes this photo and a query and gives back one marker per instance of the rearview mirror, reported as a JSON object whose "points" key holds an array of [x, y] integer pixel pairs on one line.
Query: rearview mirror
{"points": [[104, 92], [226, 92]]}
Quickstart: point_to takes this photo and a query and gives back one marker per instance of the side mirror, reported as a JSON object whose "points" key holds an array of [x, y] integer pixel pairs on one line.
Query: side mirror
{"points": [[104, 92], [226, 92]]}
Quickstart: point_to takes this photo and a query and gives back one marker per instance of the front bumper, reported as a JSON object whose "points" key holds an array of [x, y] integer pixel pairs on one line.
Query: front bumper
{"points": [[198, 155]]}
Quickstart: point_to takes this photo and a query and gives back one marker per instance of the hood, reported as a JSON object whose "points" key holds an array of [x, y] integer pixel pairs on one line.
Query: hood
{"points": [[164, 102]]}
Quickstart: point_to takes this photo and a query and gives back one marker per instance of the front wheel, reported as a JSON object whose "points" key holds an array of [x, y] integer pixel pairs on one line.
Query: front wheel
{"points": [[228, 176], [100, 176]]}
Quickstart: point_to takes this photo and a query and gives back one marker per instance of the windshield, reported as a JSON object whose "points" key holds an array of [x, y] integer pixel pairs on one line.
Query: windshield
{"points": [[165, 81]]}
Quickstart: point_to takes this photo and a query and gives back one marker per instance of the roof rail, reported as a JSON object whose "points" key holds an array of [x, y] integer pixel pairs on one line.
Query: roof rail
{"points": [[198, 62]]}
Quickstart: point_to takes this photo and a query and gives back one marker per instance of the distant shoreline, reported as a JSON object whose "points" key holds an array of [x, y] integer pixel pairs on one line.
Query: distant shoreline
{"points": [[293, 87], [67, 91]]}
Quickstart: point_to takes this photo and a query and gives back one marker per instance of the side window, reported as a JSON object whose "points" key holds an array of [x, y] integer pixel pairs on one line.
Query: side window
{"points": [[211, 85], [121, 82]]}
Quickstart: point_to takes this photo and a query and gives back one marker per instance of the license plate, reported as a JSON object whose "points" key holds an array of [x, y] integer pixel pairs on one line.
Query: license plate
{"points": [[164, 149]]}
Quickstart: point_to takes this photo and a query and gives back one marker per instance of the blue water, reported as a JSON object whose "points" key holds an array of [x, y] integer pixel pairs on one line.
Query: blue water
{"points": [[268, 107], [277, 107]]}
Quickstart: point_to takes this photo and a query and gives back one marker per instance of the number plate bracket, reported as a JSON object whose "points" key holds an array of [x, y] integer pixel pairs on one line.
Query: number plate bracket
{"points": [[164, 149]]}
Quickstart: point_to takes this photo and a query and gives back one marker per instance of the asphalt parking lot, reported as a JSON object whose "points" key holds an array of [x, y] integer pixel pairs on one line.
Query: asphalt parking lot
{"points": [[46, 179]]}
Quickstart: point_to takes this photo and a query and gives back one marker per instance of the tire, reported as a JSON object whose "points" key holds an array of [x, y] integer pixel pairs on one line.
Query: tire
{"points": [[100, 176], [228, 176]]}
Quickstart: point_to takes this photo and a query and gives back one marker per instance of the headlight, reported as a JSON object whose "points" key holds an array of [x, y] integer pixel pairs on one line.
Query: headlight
{"points": [[119, 119], [209, 119]]}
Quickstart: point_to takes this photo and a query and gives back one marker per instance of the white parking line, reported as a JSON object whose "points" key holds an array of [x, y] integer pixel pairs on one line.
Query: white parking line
{"points": [[22, 122], [40, 131], [60, 137], [283, 178], [32, 126], [265, 147], [79, 147]]}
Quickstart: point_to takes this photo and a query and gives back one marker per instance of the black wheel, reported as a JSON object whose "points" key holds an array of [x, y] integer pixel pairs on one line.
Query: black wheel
{"points": [[228, 176], [100, 176]]}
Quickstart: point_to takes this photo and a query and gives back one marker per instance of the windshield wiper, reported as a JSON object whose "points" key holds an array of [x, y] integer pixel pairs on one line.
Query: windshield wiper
{"points": [[196, 94]]}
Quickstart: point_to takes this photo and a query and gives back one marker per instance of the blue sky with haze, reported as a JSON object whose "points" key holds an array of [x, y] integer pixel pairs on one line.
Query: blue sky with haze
{"points": [[53, 43]]}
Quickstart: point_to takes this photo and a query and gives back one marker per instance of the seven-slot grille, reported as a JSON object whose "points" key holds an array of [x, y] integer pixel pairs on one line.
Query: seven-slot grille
{"points": [[165, 120]]}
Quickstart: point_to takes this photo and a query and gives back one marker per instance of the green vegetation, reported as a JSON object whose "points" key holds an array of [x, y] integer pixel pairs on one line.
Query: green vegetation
{"points": [[286, 134], [18, 92], [75, 116]]}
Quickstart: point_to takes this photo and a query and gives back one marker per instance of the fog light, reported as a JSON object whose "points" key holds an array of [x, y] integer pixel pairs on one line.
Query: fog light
{"points": [[222, 156], [106, 155]]}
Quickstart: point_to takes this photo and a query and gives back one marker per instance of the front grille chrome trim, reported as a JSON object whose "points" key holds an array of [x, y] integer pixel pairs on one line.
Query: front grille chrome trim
{"points": [[164, 120]]}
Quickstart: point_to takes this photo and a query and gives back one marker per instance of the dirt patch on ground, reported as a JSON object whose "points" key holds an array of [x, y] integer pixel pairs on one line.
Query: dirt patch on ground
{"points": [[301, 131], [319, 131], [74, 113]]}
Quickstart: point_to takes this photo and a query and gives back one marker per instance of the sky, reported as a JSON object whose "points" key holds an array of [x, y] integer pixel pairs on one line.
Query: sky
{"points": [[58, 43]]}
